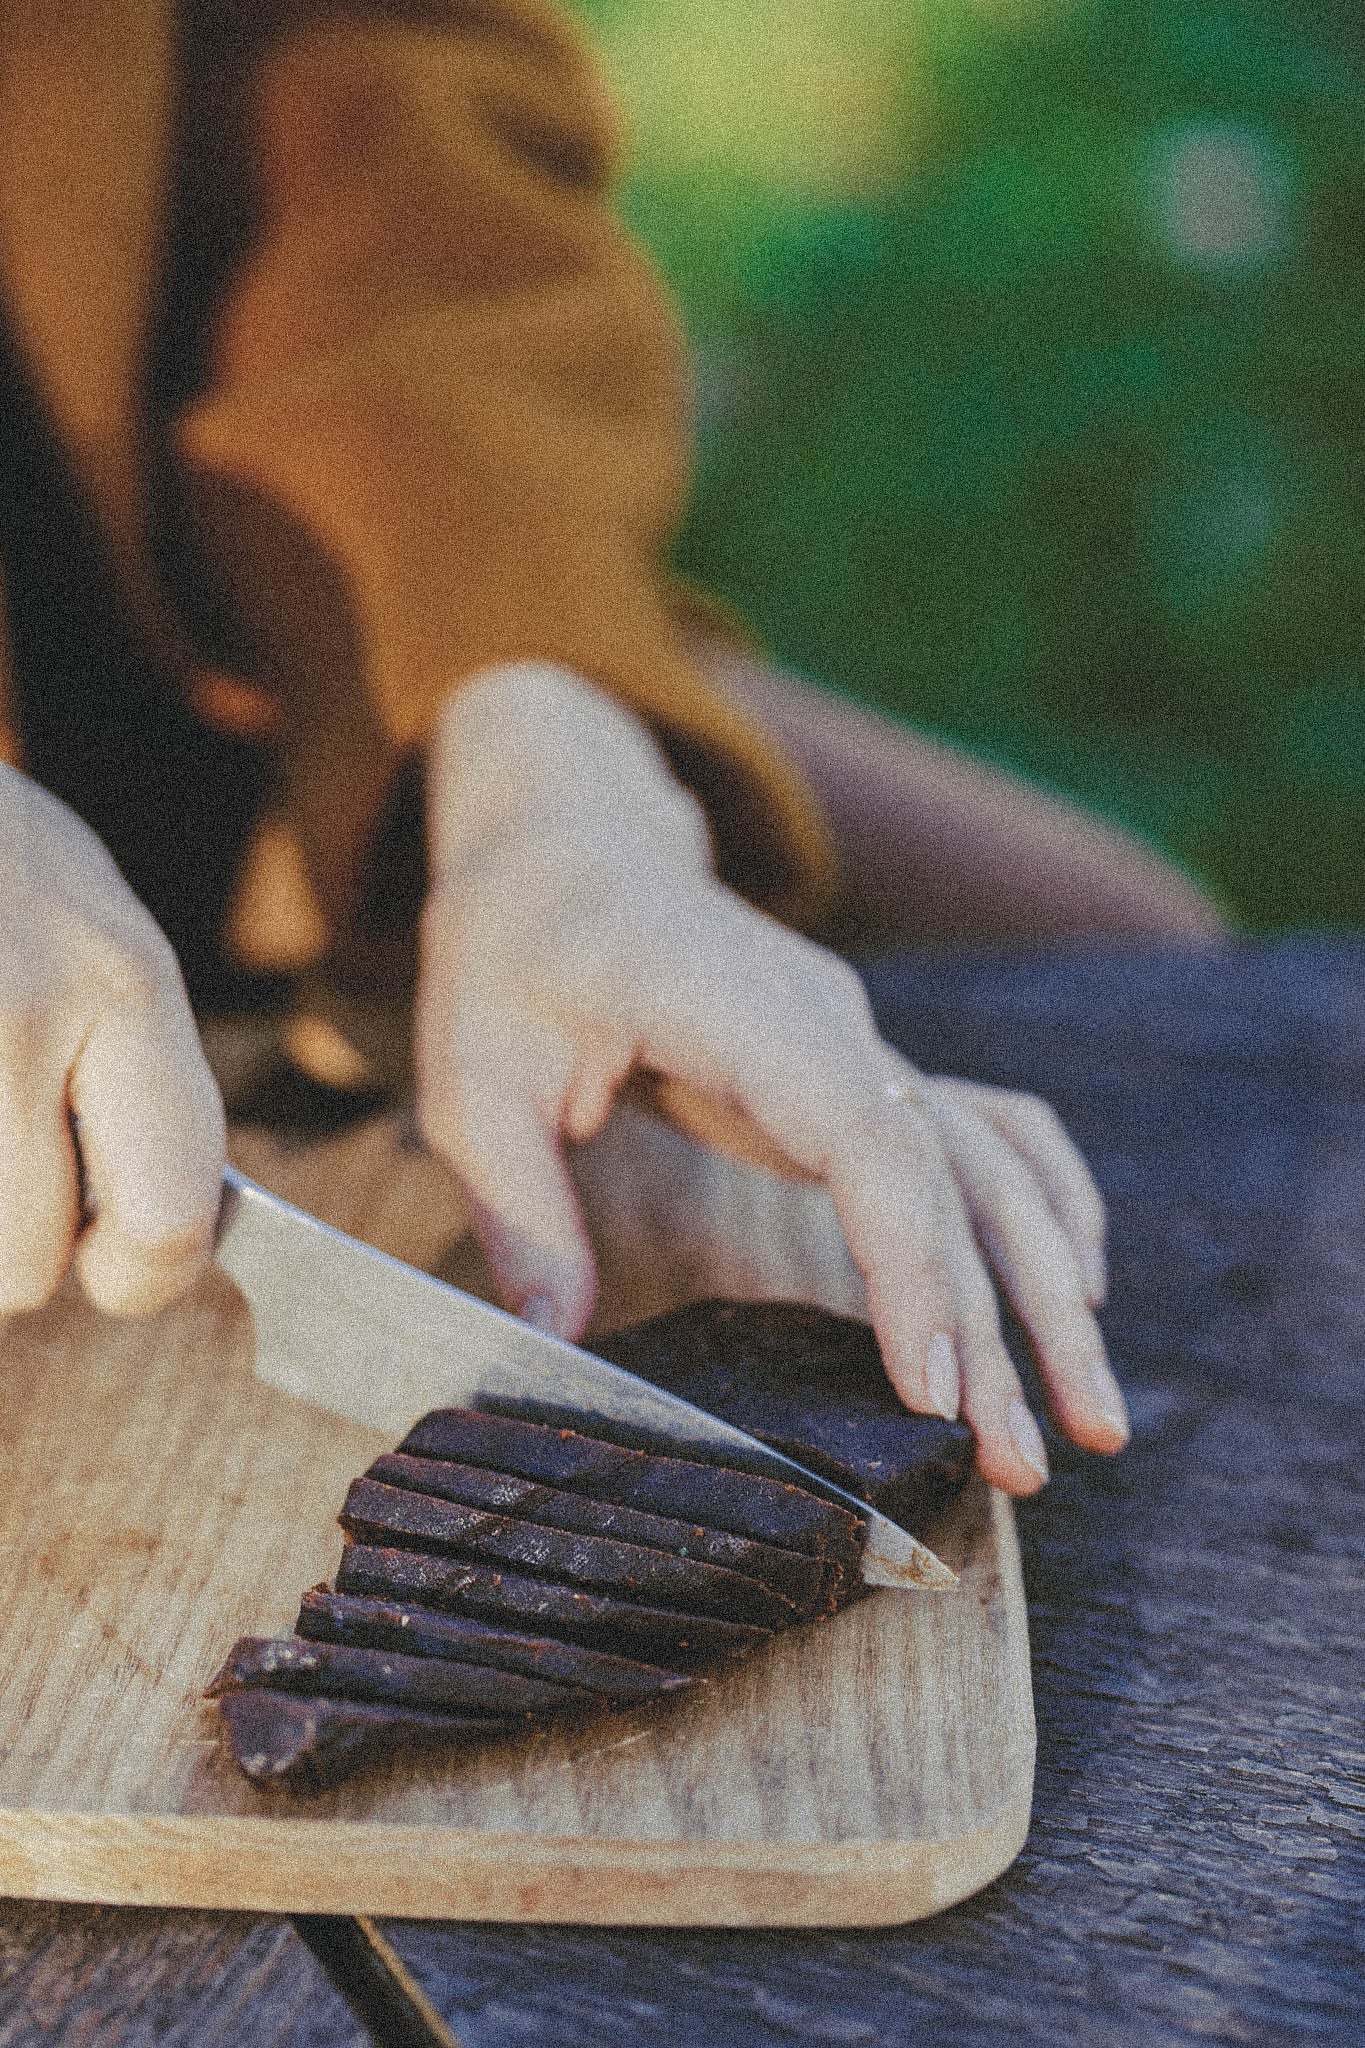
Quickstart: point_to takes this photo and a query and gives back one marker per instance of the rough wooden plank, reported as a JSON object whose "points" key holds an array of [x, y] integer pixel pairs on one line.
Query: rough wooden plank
{"points": [[1196, 1867], [108, 1978]]}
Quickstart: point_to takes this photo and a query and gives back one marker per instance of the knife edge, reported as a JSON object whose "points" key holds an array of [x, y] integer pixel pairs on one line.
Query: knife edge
{"points": [[362, 1335]]}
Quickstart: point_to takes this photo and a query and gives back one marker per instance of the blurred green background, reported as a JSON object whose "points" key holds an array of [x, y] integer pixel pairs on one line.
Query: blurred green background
{"points": [[1029, 354]]}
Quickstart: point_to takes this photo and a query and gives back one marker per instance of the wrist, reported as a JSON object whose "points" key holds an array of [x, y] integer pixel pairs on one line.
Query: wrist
{"points": [[533, 741]]}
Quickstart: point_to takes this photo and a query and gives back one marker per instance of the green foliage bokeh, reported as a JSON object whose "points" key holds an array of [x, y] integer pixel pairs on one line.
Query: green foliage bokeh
{"points": [[1029, 343]]}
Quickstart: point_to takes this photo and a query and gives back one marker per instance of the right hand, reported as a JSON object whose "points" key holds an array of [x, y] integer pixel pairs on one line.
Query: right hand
{"points": [[96, 1033]]}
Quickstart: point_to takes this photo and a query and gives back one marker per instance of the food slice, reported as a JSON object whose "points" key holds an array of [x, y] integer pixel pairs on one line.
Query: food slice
{"points": [[717, 1496], [306, 1745], [392, 1516], [391, 1678], [426, 1632], [681, 1642], [811, 1584]]}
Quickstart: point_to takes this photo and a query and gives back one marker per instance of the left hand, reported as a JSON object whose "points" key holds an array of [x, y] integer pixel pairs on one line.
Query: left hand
{"points": [[575, 931]]}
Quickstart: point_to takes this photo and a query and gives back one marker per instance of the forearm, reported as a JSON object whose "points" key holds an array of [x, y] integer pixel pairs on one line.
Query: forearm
{"points": [[935, 846]]}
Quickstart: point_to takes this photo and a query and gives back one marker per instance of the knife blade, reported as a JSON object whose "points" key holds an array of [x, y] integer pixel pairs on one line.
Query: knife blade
{"points": [[353, 1331]]}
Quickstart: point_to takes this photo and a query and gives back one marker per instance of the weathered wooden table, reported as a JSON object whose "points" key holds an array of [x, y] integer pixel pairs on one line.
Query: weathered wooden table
{"points": [[1196, 1869]]}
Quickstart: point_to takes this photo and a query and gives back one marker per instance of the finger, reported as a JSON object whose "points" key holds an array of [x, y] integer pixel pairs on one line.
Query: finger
{"points": [[886, 1188], [152, 1142], [1037, 1133], [38, 1203], [494, 1118], [1038, 1270], [808, 1070], [1009, 1447]]}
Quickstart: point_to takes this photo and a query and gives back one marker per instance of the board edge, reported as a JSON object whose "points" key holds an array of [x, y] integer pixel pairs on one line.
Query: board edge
{"points": [[300, 1866]]}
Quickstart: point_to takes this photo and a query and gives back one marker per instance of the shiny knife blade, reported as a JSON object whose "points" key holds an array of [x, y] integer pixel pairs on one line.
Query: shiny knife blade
{"points": [[350, 1330]]}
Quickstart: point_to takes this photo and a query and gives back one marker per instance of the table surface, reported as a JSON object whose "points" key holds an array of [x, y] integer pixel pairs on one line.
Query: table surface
{"points": [[1196, 1867]]}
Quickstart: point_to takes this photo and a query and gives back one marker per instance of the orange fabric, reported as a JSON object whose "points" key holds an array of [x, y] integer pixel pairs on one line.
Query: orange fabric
{"points": [[445, 417]]}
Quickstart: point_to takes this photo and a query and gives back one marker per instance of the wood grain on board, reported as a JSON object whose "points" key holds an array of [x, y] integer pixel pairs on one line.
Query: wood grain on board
{"points": [[161, 1501]]}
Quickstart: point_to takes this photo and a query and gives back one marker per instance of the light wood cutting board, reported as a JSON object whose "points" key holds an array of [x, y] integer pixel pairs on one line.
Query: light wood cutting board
{"points": [[157, 1502]]}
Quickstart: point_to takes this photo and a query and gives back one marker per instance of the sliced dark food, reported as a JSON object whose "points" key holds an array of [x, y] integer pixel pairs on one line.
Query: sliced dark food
{"points": [[810, 1384], [717, 1496], [500, 1574], [681, 1642], [425, 1632], [308, 1744], [391, 1516], [391, 1678], [809, 1583]]}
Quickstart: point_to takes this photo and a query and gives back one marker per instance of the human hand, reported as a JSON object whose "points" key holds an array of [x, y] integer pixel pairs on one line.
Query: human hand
{"points": [[575, 931], [96, 1030]]}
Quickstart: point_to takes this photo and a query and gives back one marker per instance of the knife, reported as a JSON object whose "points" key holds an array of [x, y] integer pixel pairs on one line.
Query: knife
{"points": [[351, 1330]]}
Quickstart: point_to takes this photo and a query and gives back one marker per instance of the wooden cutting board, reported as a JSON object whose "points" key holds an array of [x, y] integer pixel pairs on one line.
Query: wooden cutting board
{"points": [[157, 1502]]}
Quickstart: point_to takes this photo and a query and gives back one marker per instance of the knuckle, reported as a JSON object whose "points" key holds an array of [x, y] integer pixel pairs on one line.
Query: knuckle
{"points": [[26, 1021], [35, 1248], [134, 983], [1060, 1322], [885, 1168], [145, 1274], [1039, 1118], [120, 1294], [975, 1293], [922, 1274], [840, 989], [24, 1289], [988, 1364], [167, 1245], [905, 1135]]}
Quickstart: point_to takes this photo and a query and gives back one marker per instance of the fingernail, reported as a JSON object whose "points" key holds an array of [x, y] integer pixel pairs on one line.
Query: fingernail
{"points": [[1028, 1439], [540, 1311], [1095, 1274], [941, 1376], [1109, 1398]]}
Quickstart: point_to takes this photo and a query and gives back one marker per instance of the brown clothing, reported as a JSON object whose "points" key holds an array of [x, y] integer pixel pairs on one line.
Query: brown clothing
{"points": [[358, 387]]}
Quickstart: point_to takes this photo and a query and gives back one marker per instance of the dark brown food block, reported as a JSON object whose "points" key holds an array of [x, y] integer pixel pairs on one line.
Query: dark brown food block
{"points": [[717, 1496], [810, 1583], [391, 1516], [812, 1385], [424, 1632], [305, 1745], [681, 1642], [388, 1678]]}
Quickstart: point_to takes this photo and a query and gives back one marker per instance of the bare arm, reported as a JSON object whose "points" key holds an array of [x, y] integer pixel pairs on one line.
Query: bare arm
{"points": [[936, 846]]}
